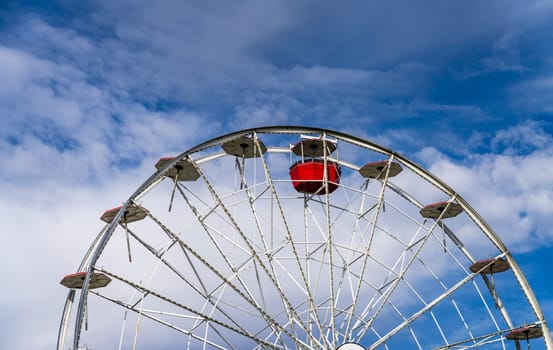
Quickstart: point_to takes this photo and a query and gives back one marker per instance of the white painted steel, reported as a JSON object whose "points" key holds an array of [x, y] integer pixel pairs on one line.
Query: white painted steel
{"points": [[243, 261]]}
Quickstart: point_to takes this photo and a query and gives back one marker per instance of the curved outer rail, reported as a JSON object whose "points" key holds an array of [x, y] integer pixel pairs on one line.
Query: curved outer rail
{"points": [[103, 238]]}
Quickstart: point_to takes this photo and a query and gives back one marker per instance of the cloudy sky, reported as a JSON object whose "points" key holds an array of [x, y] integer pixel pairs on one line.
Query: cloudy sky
{"points": [[93, 93]]}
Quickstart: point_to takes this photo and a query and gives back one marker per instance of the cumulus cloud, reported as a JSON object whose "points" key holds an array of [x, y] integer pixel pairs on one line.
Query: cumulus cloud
{"points": [[511, 189], [71, 148], [56, 118]]}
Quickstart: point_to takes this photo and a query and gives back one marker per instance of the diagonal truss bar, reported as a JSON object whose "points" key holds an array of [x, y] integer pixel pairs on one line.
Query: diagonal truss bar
{"points": [[368, 248], [420, 244], [204, 293], [159, 320], [292, 244], [272, 278], [251, 201], [463, 249], [332, 301], [425, 309], [226, 280], [205, 317]]}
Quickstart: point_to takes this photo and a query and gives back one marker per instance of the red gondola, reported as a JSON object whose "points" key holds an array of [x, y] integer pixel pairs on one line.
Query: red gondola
{"points": [[308, 176]]}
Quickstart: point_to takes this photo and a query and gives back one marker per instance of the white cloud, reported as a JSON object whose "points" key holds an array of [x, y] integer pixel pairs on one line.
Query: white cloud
{"points": [[62, 150], [511, 190], [206, 60], [57, 120]]}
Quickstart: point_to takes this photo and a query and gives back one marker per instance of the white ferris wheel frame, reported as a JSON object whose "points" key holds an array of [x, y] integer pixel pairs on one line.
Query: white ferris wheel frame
{"points": [[96, 249]]}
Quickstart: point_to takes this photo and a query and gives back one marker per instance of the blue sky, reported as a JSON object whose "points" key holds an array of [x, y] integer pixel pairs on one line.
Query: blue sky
{"points": [[92, 94]]}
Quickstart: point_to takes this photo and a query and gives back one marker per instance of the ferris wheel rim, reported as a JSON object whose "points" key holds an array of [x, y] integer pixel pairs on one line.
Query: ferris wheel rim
{"points": [[93, 255]]}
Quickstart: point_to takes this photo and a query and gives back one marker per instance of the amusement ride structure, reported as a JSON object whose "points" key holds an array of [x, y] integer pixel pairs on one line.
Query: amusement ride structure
{"points": [[297, 238]]}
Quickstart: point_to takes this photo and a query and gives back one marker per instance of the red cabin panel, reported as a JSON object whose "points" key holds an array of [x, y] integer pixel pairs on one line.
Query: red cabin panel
{"points": [[307, 177]]}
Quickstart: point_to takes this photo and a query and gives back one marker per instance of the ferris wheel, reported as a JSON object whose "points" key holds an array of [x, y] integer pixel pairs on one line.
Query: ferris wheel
{"points": [[297, 238]]}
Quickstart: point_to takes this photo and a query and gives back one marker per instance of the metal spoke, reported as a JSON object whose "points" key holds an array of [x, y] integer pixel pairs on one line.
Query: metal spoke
{"points": [[255, 254], [292, 245]]}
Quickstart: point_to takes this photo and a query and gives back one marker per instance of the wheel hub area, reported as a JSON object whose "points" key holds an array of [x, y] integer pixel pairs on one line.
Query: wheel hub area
{"points": [[350, 346]]}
